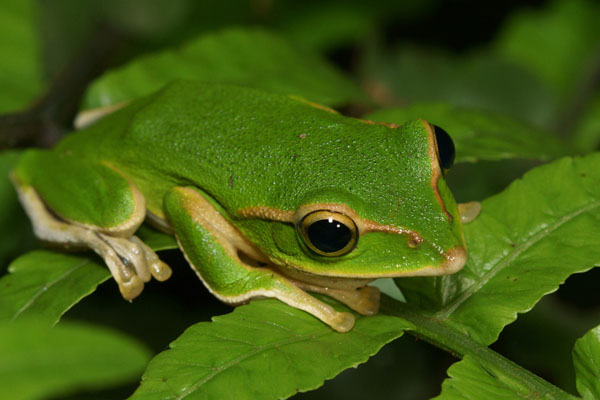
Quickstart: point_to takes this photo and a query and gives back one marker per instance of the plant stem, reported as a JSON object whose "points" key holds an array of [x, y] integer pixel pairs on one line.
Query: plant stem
{"points": [[446, 337]]}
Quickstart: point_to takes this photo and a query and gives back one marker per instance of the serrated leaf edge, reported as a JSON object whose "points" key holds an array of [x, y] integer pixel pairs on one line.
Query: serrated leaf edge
{"points": [[448, 309], [47, 286]]}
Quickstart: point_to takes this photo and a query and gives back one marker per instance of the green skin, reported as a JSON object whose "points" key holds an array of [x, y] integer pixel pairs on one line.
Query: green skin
{"points": [[261, 162]]}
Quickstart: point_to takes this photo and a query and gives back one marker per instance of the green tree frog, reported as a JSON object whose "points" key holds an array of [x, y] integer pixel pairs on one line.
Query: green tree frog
{"points": [[268, 196]]}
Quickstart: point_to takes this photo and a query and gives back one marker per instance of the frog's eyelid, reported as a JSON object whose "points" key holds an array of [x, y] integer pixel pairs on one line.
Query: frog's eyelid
{"points": [[363, 225], [266, 212]]}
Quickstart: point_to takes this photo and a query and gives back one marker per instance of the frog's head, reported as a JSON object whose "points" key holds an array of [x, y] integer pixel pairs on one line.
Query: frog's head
{"points": [[385, 213]]}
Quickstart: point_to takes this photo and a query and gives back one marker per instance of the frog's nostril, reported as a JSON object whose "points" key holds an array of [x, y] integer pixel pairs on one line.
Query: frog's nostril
{"points": [[414, 243], [414, 240]]}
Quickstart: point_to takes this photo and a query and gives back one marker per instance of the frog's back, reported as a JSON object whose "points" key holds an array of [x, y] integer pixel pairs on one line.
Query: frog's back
{"points": [[244, 146], [191, 124]]}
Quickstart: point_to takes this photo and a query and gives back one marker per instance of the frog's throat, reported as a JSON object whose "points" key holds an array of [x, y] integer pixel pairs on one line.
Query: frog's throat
{"points": [[455, 260]]}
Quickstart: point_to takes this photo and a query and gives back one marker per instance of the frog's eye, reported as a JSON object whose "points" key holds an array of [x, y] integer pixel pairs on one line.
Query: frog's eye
{"points": [[445, 147], [328, 233]]}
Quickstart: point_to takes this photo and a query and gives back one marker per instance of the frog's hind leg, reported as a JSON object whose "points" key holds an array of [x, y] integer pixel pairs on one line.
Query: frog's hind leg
{"points": [[212, 246], [69, 205], [364, 300]]}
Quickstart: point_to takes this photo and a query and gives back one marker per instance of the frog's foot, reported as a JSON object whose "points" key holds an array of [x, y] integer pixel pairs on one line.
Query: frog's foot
{"points": [[469, 211], [130, 261], [364, 300]]}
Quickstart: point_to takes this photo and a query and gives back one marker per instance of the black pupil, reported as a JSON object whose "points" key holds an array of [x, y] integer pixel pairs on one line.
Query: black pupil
{"points": [[329, 235], [445, 147]]}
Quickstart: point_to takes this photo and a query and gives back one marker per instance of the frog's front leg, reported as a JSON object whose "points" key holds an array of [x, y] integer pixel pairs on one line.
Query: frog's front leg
{"points": [[64, 199], [213, 247]]}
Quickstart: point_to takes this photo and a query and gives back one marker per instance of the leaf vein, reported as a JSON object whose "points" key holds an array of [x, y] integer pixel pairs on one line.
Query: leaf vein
{"points": [[45, 287], [245, 356], [233, 340]]}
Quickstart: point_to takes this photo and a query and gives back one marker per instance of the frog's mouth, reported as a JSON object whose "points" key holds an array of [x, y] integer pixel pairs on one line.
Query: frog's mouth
{"points": [[454, 260], [249, 255], [300, 277]]}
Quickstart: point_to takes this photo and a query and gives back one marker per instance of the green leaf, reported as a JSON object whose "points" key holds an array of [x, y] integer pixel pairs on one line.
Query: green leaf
{"points": [[469, 380], [15, 232], [565, 36], [586, 357], [265, 349], [45, 284], [251, 57], [480, 358], [37, 361], [20, 64], [479, 134], [542, 339], [526, 242]]}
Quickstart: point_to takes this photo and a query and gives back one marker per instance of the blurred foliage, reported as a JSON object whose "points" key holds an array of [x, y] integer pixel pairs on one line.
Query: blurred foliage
{"points": [[480, 79], [20, 69], [566, 39], [516, 82], [250, 57], [326, 25], [64, 358], [20, 238], [587, 133]]}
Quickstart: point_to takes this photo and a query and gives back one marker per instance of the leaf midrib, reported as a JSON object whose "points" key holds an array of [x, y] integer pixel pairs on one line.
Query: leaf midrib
{"points": [[44, 288], [451, 307]]}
